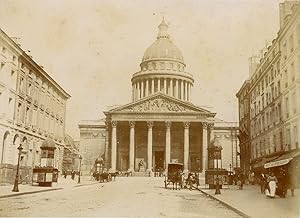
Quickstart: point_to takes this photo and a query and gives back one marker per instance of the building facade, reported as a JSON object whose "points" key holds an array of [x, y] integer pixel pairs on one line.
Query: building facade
{"points": [[161, 125], [70, 156], [244, 127], [32, 108], [227, 134], [273, 89], [92, 145]]}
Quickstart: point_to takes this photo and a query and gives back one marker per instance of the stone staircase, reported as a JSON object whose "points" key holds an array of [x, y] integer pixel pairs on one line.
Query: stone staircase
{"points": [[139, 174]]}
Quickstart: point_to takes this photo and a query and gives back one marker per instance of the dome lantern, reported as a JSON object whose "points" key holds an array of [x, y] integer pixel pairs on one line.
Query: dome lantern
{"points": [[163, 30]]}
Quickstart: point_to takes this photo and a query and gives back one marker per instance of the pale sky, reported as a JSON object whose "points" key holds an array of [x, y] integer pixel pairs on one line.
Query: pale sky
{"points": [[92, 48]]}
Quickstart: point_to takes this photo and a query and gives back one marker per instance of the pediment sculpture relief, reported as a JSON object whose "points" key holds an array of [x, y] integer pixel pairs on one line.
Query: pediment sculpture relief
{"points": [[158, 105]]}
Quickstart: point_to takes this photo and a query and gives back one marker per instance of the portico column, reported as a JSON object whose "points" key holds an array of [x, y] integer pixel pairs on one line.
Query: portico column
{"points": [[131, 146], [147, 88], [168, 142], [186, 145], [113, 145], [149, 146], [204, 148]]}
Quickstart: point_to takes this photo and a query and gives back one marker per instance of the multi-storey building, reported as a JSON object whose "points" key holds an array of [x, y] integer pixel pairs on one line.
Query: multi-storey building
{"points": [[32, 108], [265, 107], [244, 127], [71, 155], [273, 89], [289, 38]]}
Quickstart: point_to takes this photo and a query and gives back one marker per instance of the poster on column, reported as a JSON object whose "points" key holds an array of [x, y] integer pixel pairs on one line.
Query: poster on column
{"points": [[140, 164]]}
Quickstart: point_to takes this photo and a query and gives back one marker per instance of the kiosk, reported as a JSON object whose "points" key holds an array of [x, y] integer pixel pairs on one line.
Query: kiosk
{"points": [[45, 174]]}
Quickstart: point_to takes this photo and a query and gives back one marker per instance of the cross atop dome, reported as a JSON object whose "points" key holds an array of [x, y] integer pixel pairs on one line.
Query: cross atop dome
{"points": [[163, 30]]}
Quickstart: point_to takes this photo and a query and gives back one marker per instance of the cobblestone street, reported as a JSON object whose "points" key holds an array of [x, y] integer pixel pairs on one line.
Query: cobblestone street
{"points": [[133, 196]]}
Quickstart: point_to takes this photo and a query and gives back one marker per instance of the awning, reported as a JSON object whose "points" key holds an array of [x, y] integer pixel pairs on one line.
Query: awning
{"points": [[283, 159], [263, 162]]}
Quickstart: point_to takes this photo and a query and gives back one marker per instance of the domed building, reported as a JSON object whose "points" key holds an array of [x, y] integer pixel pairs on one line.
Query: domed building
{"points": [[160, 125]]}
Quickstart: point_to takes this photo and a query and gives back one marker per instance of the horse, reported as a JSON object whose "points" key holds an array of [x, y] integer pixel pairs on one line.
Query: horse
{"points": [[192, 180], [176, 178], [114, 175], [105, 177]]}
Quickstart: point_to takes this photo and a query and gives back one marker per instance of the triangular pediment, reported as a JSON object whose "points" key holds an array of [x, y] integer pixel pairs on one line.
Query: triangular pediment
{"points": [[160, 103]]}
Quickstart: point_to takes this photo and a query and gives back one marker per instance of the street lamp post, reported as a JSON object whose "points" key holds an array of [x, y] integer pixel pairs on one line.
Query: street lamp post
{"points": [[16, 188], [80, 158]]}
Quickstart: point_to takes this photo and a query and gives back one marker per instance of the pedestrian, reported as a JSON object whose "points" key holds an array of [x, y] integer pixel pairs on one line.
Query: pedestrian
{"points": [[272, 182], [263, 183], [73, 174], [292, 181], [242, 180], [190, 180]]}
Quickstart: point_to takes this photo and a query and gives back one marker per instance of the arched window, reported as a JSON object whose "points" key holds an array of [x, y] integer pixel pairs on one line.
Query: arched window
{"points": [[15, 151], [4, 150]]}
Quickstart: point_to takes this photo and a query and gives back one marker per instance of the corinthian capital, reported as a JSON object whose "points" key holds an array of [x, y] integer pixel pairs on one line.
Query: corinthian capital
{"points": [[204, 125], [210, 125], [168, 124], [150, 124], [186, 125], [131, 124], [114, 123]]}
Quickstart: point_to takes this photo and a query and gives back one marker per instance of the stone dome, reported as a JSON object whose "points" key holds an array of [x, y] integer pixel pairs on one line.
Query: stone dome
{"points": [[163, 47]]}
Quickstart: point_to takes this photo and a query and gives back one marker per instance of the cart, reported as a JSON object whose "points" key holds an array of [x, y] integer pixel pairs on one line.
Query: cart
{"points": [[174, 175]]}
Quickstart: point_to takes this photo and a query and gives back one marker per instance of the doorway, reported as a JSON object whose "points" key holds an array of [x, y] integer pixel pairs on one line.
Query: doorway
{"points": [[159, 160]]}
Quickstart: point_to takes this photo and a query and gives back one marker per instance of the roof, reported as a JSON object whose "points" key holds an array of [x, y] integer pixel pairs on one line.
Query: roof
{"points": [[163, 47], [34, 64]]}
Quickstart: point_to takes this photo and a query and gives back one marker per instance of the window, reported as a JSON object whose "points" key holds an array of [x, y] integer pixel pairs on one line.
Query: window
{"points": [[3, 50], [274, 143], [281, 140], [1, 66], [13, 58], [292, 72], [287, 107], [291, 43], [288, 139], [294, 102], [295, 133]]}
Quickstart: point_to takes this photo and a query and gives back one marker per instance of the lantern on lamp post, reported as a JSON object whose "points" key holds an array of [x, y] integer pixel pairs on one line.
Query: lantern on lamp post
{"points": [[16, 188], [80, 159]]}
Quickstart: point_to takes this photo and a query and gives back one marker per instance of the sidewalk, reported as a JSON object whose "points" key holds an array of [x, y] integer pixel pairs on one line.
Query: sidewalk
{"points": [[252, 203], [6, 190]]}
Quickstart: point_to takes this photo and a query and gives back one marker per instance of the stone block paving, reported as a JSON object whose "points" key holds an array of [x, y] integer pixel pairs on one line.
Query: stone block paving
{"points": [[6, 189], [253, 203]]}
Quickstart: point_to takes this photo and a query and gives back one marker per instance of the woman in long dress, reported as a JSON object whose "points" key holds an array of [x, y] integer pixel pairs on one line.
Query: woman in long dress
{"points": [[272, 181]]}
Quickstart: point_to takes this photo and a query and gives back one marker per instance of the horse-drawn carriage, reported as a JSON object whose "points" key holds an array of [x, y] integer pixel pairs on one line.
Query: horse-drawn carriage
{"points": [[174, 176]]}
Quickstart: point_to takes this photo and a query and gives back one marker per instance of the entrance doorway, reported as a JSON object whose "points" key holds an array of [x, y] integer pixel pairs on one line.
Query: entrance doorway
{"points": [[159, 160]]}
